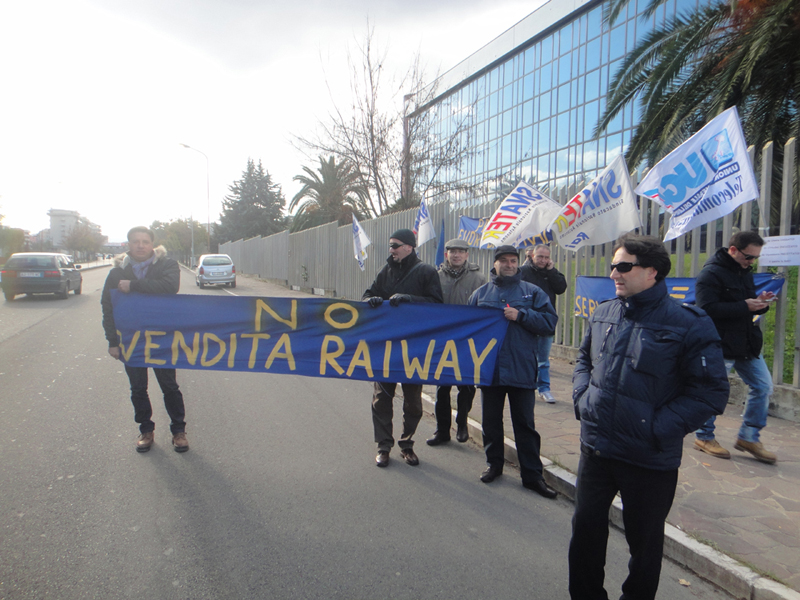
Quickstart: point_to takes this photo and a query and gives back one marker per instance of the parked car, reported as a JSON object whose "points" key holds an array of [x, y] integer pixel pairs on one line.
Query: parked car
{"points": [[40, 273], [215, 269]]}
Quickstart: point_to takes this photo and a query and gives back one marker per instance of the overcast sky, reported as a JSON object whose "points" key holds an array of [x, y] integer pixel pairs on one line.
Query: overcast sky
{"points": [[98, 94]]}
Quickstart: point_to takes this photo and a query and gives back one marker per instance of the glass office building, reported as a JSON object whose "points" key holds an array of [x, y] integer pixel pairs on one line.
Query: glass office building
{"points": [[525, 106]]}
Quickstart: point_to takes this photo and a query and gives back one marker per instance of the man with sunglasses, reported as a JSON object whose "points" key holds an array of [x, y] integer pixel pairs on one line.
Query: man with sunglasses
{"points": [[726, 291], [649, 371], [459, 278], [404, 278]]}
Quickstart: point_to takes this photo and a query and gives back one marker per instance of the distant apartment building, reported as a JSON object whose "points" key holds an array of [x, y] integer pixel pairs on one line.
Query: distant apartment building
{"points": [[62, 222]]}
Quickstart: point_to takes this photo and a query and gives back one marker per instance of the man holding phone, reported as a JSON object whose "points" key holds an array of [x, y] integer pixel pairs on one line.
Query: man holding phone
{"points": [[726, 291]]}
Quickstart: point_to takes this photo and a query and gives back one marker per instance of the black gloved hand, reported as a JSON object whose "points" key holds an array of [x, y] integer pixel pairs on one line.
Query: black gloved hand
{"points": [[399, 298], [375, 301]]}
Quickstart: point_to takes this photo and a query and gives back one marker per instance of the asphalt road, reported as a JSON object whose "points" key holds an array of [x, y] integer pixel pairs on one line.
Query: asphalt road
{"points": [[278, 497]]}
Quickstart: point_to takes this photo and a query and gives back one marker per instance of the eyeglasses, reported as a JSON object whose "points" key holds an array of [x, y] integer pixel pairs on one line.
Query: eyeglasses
{"points": [[624, 267], [748, 256], [395, 246]]}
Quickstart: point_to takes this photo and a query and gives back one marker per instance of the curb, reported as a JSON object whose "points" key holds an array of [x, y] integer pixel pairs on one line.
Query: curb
{"points": [[712, 565]]}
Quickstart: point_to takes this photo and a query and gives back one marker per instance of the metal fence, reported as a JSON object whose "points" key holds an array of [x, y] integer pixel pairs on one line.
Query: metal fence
{"points": [[322, 259]]}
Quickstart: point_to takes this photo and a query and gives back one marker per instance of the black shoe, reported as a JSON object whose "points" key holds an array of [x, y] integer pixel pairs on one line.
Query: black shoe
{"points": [[382, 460], [462, 433], [540, 487], [491, 473], [409, 456], [438, 438]]}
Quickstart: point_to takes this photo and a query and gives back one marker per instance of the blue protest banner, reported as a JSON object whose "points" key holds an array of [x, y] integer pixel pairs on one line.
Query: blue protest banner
{"points": [[591, 291], [411, 343]]}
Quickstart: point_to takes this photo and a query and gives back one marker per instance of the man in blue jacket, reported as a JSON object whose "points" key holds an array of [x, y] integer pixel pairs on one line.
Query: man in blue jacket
{"points": [[649, 371], [530, 314]]}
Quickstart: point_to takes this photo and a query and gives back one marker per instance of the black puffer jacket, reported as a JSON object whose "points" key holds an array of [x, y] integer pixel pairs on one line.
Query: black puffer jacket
{"points": [[552, 281], [410, 276], [163, 277], [721, 290], [649, 371]]}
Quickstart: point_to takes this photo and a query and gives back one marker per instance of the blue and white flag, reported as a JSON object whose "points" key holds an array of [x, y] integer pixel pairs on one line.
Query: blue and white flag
{"points": [[600, 212], [524, 213], [705, 178], [423, 226], [360, 242]]}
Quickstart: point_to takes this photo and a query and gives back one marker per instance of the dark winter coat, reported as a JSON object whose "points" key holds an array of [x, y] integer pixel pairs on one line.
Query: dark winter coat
{"points": [[551, 281], [410, 276], [516, 362], [163, 277], [721, 290], [649, 371], [457, 290]]}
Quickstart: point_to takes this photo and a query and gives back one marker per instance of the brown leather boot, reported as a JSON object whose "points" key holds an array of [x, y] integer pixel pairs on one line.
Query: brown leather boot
{"points": [[756, 449], [180, 442], [144, 441], [712, 447]]}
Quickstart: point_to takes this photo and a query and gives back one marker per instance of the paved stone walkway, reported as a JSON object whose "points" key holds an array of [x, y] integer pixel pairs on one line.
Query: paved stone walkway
{"points": [[742, 507]]}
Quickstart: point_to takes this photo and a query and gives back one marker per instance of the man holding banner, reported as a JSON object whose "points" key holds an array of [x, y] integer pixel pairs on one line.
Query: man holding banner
{"points": [[649, 371], [530, 314], [146, 270], [725, 290], [459, 278], [405, 278]]}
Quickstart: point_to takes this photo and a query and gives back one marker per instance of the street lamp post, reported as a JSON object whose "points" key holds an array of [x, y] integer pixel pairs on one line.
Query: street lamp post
{"points": [[208, 201]]}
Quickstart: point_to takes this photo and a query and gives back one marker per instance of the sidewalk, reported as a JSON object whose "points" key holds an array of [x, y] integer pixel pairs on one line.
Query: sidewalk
{"points": [[741, 507]]}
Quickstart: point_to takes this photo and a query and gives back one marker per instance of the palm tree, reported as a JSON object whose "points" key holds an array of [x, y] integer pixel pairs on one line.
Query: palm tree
{"points": [[729, 52], [334, 193]]}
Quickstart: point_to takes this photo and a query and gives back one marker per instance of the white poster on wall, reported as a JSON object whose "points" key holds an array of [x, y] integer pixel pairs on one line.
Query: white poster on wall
{"points": [[780, 251]]}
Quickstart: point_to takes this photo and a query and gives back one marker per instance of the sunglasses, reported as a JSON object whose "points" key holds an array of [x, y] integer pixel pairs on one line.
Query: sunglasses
{"points": [[624, 267], [395, 246], [748, 256]]}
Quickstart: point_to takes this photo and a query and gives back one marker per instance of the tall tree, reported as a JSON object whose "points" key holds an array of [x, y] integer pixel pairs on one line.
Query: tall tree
{"points": [[176, 236], [735, 52], [334, 193], [372, 131], [254, 206], [12, 240], [83, 241]]}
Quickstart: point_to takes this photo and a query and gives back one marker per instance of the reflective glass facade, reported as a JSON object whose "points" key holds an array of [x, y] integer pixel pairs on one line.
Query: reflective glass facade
{"points": [[532, 115]]}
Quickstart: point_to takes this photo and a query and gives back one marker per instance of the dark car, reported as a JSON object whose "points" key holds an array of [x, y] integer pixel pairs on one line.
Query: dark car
{"points": [[40, 273], [215, 269]]}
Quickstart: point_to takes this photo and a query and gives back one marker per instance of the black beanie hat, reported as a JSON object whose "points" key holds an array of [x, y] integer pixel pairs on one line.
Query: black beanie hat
{"points": [[406, 236]]}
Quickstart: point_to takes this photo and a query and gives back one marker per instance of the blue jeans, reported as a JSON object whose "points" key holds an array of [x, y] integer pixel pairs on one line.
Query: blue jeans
{"points": [[542, 349], [756, 375]]}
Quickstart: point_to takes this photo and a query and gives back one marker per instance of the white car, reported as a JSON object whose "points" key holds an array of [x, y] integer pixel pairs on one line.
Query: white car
{"points": [[215, 269]]}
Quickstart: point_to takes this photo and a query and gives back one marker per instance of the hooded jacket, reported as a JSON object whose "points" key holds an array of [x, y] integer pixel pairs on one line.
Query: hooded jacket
{"points": [[163, 277], [721, 290], [457, 290], [649, 371], [516, 362], [410, 276]]}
